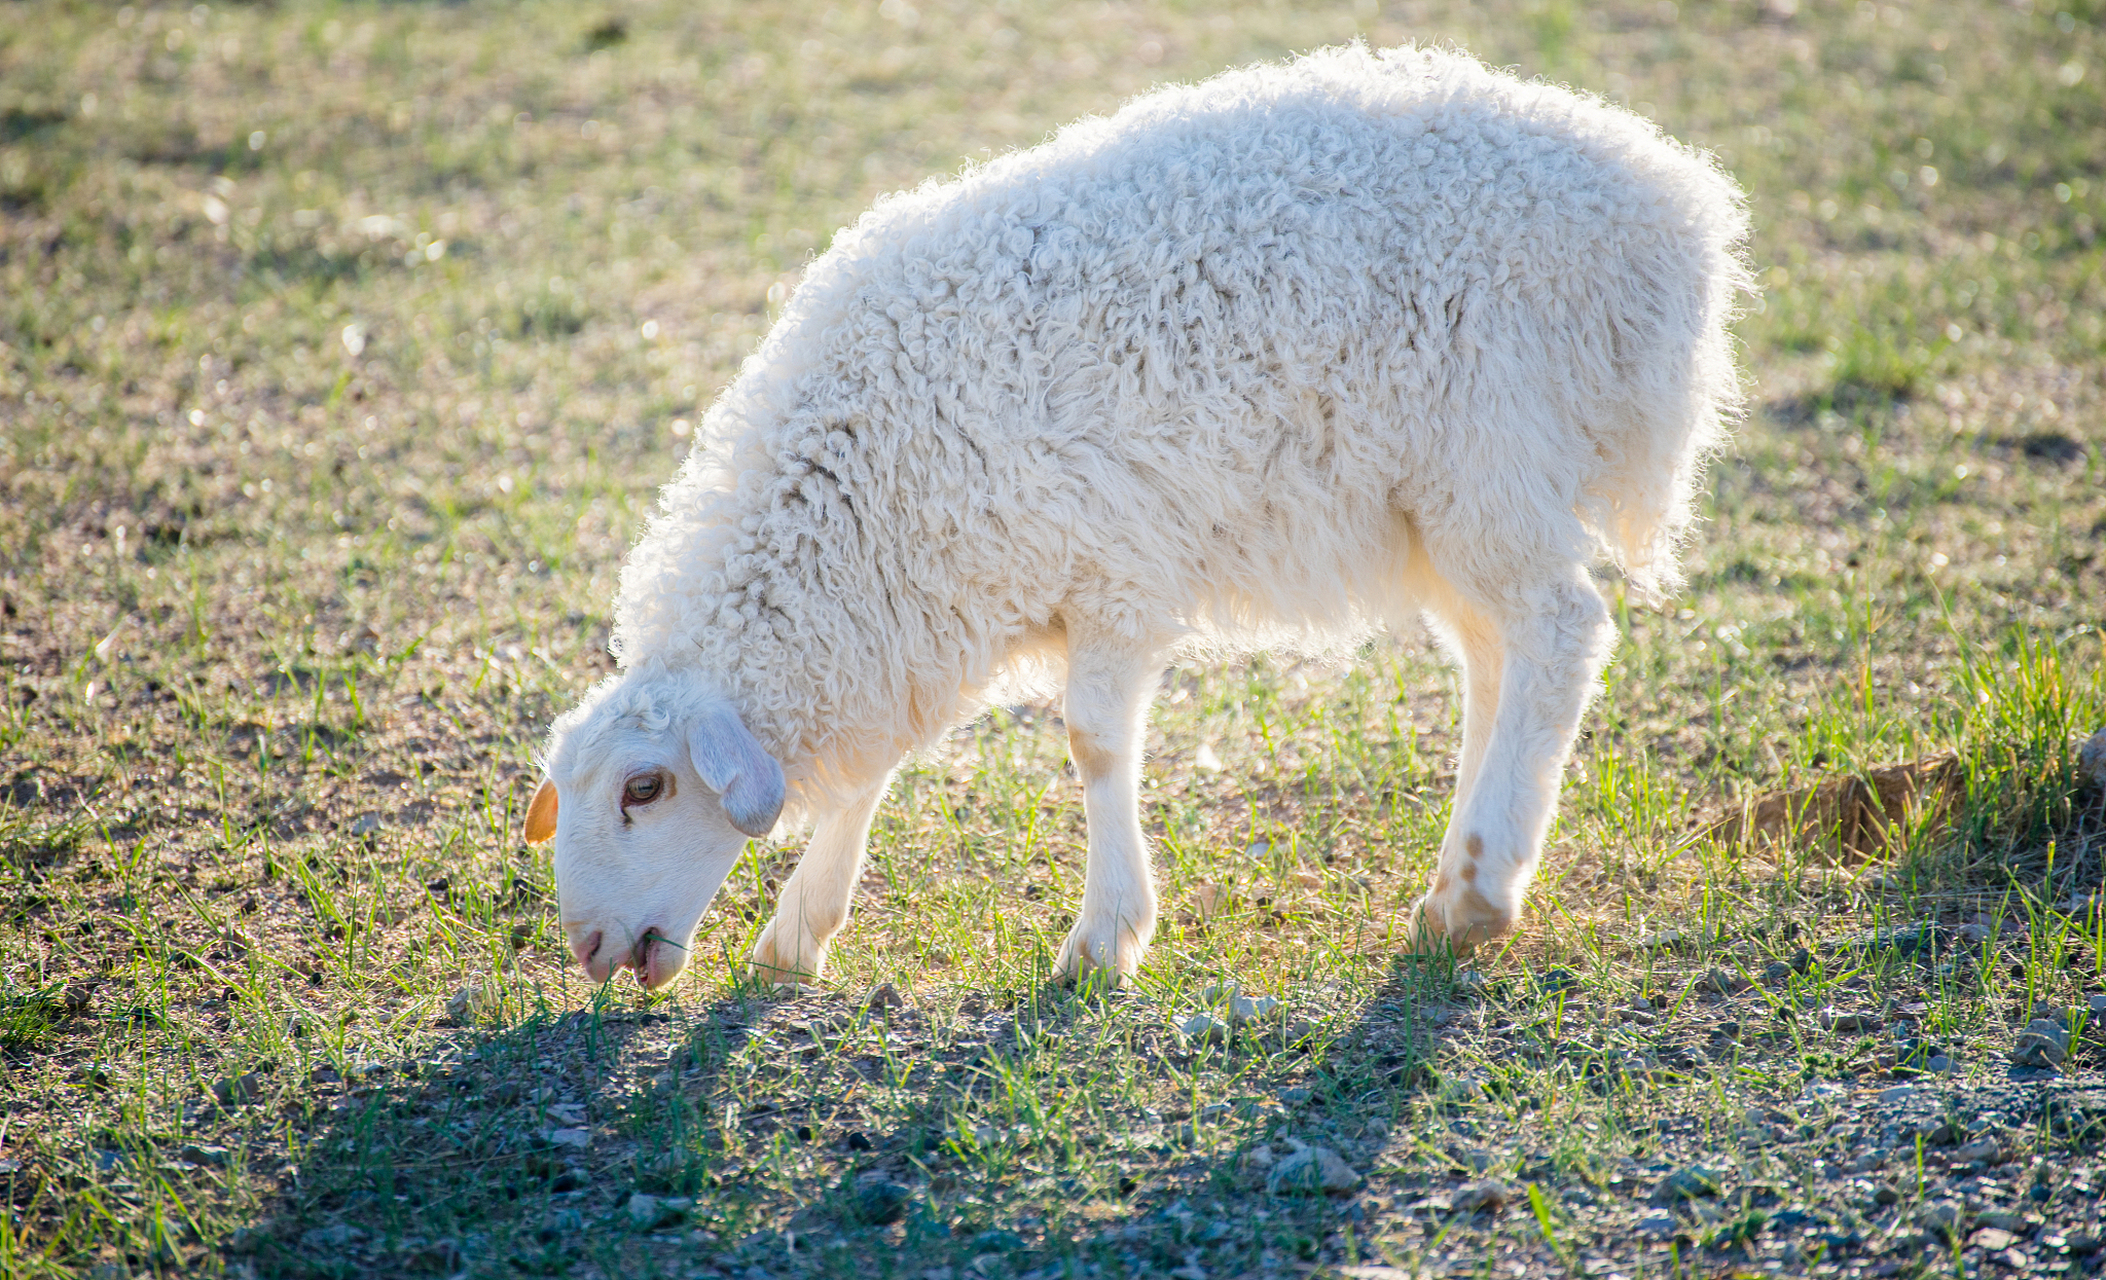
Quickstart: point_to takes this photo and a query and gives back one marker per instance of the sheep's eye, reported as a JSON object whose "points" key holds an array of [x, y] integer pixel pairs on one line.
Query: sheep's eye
{"points": [[642, 789]]}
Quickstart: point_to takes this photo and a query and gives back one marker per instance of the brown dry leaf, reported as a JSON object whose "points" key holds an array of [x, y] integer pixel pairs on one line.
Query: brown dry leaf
{"points": [[1210, 900], [1847, 818]]}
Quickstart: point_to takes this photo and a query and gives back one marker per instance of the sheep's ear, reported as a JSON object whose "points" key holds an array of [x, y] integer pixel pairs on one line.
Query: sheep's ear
{"points": [[730, 762], [541, 814]]}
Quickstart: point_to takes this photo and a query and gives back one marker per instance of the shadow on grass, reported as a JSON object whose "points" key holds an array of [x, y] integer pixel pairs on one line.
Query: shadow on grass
{"points": [[823, 1135]]}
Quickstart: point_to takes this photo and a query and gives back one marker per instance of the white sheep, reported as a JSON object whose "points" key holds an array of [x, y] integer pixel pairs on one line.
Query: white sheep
{"points": [[1259, 362]]}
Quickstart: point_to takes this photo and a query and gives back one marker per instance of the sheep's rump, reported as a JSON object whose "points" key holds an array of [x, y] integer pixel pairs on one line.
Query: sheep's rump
{"points": [[1218, 363]]}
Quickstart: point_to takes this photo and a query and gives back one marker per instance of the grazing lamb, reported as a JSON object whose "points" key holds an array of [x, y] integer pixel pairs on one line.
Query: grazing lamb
{"points": [[1264, 361]]}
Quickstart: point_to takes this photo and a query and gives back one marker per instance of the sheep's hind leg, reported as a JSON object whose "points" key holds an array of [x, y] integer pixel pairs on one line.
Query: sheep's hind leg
{"points": [[1110, 682], [1555, 639], [814, 903]]}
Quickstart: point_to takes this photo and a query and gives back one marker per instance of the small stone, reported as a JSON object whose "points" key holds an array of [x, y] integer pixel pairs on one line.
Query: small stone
{"points": [[1204, 1028], [1992, 1239], [1940, 1215], [1296, 1096], [1985, 1150], [2091, 760], [648, 1213], [569, 1137], [1312, 1171], [1722, 982], [1940, 1064], [1899, 1093], [878, 1200], [1938, 1131], [1885, 1193], [1836, 1020], [442, 1257], [1657, 1225], [642, 1210], [1664, 940], [239, 1091], [2085, 1241], [1244, 1009], [884, 996], [2043, 1043], [1476, 1159], [1464, 1088], [1554, 982], [1776, 971], [205, 1153], [996, 1240], [1688, 1184], [1487, 1197], [366, 824], [2004, 1220], [337, 1237], [2097, 1004], [463, 1006]]}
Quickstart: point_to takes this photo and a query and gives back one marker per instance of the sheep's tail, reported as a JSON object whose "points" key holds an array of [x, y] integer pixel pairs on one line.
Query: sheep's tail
{"points": [[1649, 519], [1684, 389]]}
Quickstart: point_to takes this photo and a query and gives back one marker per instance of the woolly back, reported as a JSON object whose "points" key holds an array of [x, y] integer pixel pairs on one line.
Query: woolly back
{"points": [[1198, 371]]}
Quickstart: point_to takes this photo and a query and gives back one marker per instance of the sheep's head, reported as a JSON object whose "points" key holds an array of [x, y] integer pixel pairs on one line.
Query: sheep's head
{"points": [[653, 786]]}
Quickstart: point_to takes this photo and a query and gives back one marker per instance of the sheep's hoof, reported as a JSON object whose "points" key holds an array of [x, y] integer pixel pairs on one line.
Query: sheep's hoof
{"points": [[1454, 929], [783, 968], [1106, 961]]}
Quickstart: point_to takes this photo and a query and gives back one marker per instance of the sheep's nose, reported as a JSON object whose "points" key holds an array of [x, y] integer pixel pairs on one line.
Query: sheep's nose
{"points": [[587, 950]]}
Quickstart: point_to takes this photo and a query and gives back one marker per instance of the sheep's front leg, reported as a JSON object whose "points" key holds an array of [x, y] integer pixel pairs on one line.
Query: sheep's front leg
{"points": [[1110, 682], [814, 903], [1554, 643], [1483, 656]]}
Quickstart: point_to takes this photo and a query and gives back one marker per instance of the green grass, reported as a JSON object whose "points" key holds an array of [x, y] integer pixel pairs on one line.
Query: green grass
{"points": [[342, 347]]}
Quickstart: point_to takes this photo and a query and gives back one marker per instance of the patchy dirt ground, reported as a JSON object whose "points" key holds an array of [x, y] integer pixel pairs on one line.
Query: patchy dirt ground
{"points": [[342, 348]]}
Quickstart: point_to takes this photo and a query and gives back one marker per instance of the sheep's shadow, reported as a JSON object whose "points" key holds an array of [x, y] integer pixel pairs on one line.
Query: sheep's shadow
{"points": [[502, 1150], [637, 1141], [692, 1139]]}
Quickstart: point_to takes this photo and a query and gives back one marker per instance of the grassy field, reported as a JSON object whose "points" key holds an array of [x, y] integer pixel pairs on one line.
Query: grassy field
{"points": [[342, 347]]}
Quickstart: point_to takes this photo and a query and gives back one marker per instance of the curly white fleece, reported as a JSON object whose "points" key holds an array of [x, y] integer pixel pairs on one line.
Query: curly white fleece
{"points": [[1218, 366]]}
